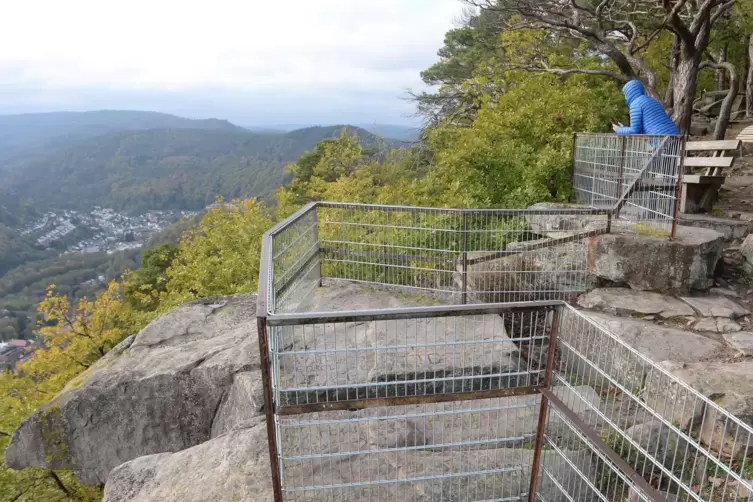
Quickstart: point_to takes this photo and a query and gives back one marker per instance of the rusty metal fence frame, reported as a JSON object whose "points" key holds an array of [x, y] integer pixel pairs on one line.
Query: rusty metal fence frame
{"points": [[295, 257]]}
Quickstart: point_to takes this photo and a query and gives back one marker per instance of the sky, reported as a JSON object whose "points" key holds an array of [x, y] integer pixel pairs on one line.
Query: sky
{"points": [[252, 62]]}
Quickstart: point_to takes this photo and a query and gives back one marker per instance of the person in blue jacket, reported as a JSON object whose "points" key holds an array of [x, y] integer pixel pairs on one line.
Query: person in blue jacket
{"points": [[647, 115]]}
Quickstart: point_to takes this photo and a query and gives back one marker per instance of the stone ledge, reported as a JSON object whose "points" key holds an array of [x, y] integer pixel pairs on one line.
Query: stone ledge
{"points": [[651, 263], [730, 228]]}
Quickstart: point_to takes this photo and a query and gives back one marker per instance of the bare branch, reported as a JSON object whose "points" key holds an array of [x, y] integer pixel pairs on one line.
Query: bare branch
{"points": [[722, 10], [676, 24]]}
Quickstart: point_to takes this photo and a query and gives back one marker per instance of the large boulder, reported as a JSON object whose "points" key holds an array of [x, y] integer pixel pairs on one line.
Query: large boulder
{"points": [[229, 468], [530, 270], [722, 422], [649, 263], [236, 467], [186, 375]]}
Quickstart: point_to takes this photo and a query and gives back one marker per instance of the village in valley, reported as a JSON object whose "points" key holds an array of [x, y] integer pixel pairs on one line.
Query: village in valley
{"points": [[99, 230]]}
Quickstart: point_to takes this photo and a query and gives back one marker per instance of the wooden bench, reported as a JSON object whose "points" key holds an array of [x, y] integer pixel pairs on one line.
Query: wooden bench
{"points": [[746, 135], [705, 162]]}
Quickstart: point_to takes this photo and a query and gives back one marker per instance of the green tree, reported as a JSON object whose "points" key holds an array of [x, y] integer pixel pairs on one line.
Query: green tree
{"points": [[151, 276], [221, 256], [75, 336]]}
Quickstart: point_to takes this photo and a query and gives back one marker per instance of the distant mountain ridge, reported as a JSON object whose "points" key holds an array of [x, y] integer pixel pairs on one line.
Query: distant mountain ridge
{"points": [[26, 134], [170, 168]]}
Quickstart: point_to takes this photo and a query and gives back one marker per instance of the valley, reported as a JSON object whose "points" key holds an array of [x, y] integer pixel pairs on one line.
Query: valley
{"points": [[82, 195], [102, 229]]}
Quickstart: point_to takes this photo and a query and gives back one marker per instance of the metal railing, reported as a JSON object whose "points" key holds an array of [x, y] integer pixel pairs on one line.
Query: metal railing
{"points": [[637, 177], [460, 256], [528, 400]]}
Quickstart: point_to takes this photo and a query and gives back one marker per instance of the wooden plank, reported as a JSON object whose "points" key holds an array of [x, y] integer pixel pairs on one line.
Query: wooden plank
{"points": [[710, 146], [746, 134], [709, 161], [700, 179]]}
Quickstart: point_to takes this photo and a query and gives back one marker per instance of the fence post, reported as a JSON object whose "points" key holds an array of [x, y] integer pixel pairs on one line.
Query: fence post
{"points": [[464, 294], [544, 407], [269, 408], [621, 170], [678, 189], [318, 253], [572, 160]]}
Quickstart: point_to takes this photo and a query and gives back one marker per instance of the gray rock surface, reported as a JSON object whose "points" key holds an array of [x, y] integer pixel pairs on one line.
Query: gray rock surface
{"points": [[656, 263], [628, 301], [730, 228], [742, 342], [724, 292], [717, 325], [716, 306], [512, 277], [657, 343], [747, 251], [232, 467], [157, 392], [241, 404], [481, 346], [728, 385], [235, 467]]}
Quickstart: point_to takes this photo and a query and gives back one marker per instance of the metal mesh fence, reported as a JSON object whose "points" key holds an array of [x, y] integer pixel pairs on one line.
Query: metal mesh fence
{"points": [[469, 402], [636, 176], [463, 256], [685, 446], [295, 261], [435, 403]]}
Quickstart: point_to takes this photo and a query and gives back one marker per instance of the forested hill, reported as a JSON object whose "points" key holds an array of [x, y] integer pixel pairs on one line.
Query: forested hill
{"points": [[35, 133], [134, 171]]}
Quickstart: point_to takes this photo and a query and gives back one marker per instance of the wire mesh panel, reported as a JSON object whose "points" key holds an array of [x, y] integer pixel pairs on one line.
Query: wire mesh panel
{"points": [[528, 255], [466, 256], [681, 443], [391, 245], [295, 261], [412, 404], [584, 473], [637, 176]]}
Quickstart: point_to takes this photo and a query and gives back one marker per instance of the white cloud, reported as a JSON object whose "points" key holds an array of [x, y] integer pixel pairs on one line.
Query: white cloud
{"points": [[301, 45]]}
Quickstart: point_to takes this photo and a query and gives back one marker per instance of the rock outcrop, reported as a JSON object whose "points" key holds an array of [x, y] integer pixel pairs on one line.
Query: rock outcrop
{"points": [[231, 467], [651, 263], [175, 385]]}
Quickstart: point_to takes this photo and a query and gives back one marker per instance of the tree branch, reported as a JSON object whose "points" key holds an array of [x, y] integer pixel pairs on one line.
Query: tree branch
{"points": [[721, 10], [573, 71], [676, 24]]}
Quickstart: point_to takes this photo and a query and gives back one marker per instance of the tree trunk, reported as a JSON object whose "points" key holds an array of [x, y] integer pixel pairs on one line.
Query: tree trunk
{"points": [[669, 96], [721, 74], [720, 130], [749, 88], [685, 83]]}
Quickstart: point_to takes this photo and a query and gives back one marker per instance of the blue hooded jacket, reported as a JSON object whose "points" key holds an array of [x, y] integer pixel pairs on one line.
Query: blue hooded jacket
{"points": [[647, 115]]}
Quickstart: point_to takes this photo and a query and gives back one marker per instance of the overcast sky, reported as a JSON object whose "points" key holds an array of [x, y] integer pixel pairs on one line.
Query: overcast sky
{"points": [[250, 61]]}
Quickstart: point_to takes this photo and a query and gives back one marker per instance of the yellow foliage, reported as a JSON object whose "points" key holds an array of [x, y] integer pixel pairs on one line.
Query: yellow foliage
{"points": [[221, 256], [75, 337]]}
